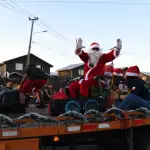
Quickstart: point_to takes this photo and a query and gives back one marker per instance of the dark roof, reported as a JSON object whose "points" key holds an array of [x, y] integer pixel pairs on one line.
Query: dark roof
{"points": [[49, 75], [70, 67], [26, 56]]}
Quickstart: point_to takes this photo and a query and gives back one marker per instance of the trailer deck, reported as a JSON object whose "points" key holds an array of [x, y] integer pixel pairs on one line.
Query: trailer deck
{"points": [[69, 132]]}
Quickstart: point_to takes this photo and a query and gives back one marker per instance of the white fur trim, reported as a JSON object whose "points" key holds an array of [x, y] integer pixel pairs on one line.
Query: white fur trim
{"points": [[87, 74], [95, 46], [102, 81], [131, 74], [118, 74], [89, 64], [79, 53], [115, 52], [80, 81], [108, 73], [89, 61], [93, 66]]}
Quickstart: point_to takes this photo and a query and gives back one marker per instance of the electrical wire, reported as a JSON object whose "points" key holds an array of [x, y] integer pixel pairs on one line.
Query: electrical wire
{"points": [[56, 32], [86, 2], [12, 9], [22, 11], [64, 54], [43, 25]]}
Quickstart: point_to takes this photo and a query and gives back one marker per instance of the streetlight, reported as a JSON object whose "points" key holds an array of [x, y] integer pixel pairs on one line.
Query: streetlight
{"points": [[39, 32], [32, 34]]}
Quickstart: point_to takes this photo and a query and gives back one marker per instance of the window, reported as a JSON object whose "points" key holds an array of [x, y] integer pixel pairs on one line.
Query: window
{"points": [[19, 66], [81, 72], [39, 66]]}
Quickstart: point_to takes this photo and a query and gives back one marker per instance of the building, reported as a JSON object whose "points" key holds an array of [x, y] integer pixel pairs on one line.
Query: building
{"points": [[54, 80], [16, 66], [146, 77], [71, 71]]}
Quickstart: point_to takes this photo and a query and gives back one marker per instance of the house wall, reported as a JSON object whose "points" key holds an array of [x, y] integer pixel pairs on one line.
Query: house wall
{"points": [[71, 73], [66, 75], [3, 68], [75, 72], [55, 82], [63, 74]]}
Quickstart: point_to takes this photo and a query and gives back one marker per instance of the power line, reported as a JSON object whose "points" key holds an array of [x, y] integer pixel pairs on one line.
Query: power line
{"points": [[47, 26], [138, 55], [128, 53], [23, 12], [12, 9], [124, 53], [54, 51], [86, 2], [49, 31], [56, 32]]}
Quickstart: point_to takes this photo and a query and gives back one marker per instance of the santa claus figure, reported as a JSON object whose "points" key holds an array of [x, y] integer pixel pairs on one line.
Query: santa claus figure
{"points": [[94, 63]]}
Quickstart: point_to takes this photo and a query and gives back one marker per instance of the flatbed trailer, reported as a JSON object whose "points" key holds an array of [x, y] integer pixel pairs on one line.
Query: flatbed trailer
{"points": [[118, 131]]}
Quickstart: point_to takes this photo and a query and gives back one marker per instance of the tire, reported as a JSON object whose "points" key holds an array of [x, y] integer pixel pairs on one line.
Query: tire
{"points": [[91, 104], [73, 106]]}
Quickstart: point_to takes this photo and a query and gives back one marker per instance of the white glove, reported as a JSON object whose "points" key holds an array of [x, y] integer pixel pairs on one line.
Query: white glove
{"points": [[119, 44], [79, 45]]}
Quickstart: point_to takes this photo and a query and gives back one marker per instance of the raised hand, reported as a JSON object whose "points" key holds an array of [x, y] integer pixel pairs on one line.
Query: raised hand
{"points": [[119, 44], [79, 45]]}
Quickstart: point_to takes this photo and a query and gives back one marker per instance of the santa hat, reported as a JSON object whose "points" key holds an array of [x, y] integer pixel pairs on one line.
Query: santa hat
{"points": [[109, 69], [118, 72], [95, 45], [133, 71]]}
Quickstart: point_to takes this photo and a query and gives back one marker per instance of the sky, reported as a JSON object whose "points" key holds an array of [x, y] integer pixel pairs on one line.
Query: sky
{"points": [[93, 22]]}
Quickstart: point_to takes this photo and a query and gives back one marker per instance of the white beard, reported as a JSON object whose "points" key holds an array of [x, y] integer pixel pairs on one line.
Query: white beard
{"points": [[94, 57]]}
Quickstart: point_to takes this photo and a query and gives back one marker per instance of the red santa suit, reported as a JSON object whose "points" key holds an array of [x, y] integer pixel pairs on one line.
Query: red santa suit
{"points": [[94, 64]]}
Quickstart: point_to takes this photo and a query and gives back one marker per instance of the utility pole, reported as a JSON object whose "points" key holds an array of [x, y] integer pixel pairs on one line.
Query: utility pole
{"points": [[30, 41]]}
